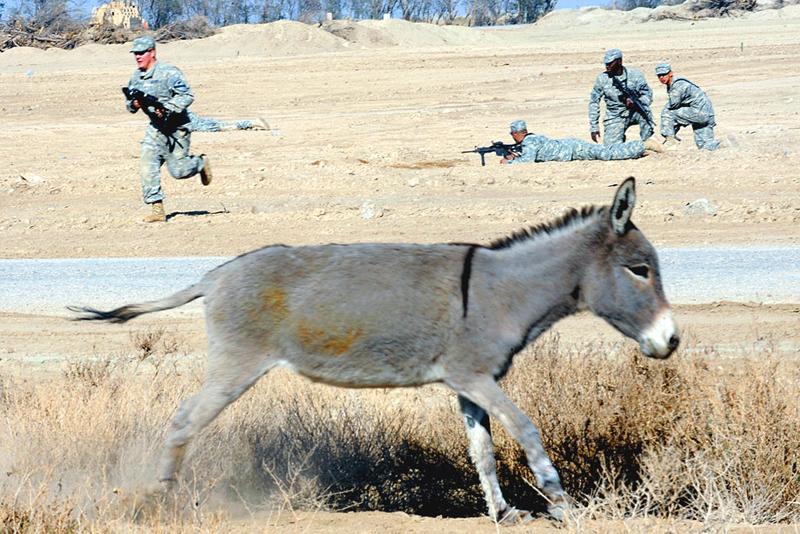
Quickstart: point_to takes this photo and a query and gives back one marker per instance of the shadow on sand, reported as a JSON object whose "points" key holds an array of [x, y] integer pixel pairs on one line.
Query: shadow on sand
{"points": [[194, 213]]}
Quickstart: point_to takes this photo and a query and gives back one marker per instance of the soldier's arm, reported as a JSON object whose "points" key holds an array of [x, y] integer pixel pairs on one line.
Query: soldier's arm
{"points": [[182, 95], [643, 90], [129, 103], [677, 94], [528, 151], [594, 106]]}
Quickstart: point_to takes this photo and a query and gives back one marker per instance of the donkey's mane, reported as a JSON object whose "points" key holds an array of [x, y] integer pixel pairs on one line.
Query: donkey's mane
{"points": [[570, 217]]}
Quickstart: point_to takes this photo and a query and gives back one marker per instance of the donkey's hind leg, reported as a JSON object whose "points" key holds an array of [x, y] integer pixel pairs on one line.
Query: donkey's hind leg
{"points": [[229, 376], [481, 451], [484, 391]]}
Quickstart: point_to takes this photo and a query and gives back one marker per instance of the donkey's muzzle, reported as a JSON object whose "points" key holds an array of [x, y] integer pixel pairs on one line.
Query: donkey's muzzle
{"points": [[662, 338]]}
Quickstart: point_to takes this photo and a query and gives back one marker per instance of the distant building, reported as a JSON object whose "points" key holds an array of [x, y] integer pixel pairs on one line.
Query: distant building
{"points": [[123, 13]]}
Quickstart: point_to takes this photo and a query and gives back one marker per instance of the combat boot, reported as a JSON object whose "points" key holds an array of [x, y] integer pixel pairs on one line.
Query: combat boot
{"points": [[670, 144], [158, 214], [205, 174], [259, 124], [653, 146]]}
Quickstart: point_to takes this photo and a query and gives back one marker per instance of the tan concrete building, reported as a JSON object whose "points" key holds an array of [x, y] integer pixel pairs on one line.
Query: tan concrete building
{"points": [[118, 13]]}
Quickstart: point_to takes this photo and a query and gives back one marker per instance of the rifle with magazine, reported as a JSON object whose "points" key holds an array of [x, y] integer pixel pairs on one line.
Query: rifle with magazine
{"points": [[497, 147], [148, 103], [637, 104]]}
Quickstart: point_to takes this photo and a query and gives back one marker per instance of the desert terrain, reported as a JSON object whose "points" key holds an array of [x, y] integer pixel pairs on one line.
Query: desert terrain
{"points": [[368, 121]]}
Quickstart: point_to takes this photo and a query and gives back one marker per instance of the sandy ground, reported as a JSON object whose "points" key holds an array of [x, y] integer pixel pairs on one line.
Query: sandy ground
{"points": [[369, 121]]}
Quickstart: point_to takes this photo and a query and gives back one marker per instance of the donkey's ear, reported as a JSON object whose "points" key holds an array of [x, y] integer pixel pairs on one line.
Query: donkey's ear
{"points": [[621, 209]]}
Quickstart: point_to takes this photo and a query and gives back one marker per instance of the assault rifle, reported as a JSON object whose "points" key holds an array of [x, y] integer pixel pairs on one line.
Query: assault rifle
{"points": [[637, 104], [148, 103], [498, 147]]}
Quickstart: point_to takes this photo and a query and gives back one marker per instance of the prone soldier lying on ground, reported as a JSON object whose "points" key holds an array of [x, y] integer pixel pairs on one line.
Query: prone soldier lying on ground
{"points": [[209, 124], [534, 147]]}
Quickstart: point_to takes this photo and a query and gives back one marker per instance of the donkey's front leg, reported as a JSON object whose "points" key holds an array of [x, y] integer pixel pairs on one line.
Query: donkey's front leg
{"points": [[484, 391], [481, 452]]}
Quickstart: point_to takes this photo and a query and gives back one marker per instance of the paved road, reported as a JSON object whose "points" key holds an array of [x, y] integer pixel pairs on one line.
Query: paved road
{"points": [[691, 275]]}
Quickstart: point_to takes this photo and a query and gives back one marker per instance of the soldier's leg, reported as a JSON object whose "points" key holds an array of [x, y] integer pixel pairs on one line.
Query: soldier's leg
{"points": [[227, 126], [584, 150], [153, 147], [179, 162], [669, 124], [204, 124], [687, 116], [629, 150], [645, 128], [704, 137], [614, 131]]}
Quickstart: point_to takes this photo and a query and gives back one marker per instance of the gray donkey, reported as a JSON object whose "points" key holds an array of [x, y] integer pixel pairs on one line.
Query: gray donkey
{"points": [[383, 315]]}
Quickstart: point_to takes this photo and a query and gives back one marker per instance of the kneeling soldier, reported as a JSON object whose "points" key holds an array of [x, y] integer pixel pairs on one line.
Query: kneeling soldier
{"points": [[688, 105]]}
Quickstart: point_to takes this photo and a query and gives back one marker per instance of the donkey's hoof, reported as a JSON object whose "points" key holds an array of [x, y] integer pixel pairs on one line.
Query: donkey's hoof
{"points": [[134, 504], [513, 516], [147, 502]]}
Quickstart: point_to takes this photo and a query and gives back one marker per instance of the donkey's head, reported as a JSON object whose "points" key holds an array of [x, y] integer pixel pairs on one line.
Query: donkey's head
{"points": [[622, 283]]}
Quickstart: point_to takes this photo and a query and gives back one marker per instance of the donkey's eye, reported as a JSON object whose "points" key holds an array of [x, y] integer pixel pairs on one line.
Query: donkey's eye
{"points": [[642, 270]]}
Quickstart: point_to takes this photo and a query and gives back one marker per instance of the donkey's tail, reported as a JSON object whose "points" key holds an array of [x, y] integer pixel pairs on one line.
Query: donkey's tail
{"points": [[129, 311]]}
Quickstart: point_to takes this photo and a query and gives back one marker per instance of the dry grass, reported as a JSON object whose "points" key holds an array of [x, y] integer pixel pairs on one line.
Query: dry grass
{"points": [[697, 437]]}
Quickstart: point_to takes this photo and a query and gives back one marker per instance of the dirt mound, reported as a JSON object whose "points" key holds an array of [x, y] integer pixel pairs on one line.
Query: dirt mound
{"points": [[358, 34], [281, 38], [380, 33], [420, 34], [584, 16]]}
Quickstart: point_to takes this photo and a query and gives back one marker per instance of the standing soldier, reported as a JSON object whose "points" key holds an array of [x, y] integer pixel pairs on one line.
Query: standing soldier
{"points": [[164, 97], [537, 148], [627, 97], [687, 105]]}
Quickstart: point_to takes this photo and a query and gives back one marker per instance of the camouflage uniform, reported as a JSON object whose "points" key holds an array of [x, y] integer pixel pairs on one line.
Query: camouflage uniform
{"points": [[207, 124], [540, 148], [688, 105], [618, 117], [166, 139]]}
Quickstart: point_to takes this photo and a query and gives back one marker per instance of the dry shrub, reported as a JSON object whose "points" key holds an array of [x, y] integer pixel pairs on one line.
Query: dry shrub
{"points": [[367, 451], [108, 34], [710, 8], [196, 27], [678, 438], [50, 518], [696, 437], [62, 31], [92, 372]]}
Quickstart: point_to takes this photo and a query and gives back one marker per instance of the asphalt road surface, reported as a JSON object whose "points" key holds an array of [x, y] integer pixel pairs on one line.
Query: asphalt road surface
{"points": [[690, 275]]}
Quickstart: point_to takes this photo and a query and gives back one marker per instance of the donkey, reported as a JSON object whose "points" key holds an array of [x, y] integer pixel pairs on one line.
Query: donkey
{"points": [[385, 315]]}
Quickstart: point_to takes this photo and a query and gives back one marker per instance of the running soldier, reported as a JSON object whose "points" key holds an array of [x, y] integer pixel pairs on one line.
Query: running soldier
{"points": [[166, 96], [621, 110], [538, 148], [688, 105]]}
